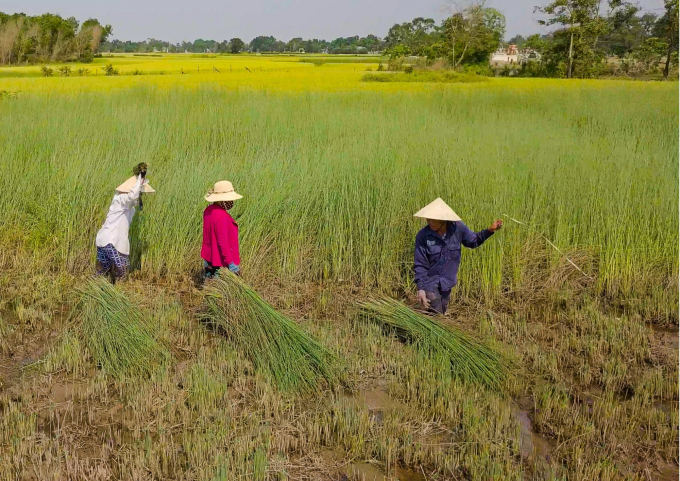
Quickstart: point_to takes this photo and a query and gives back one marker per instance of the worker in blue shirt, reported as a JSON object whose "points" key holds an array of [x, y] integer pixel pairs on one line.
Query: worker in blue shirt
{"points": [[437, 253]]}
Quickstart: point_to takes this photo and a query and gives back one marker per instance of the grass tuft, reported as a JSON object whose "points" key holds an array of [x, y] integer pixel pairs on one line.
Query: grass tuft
{"points": [[471, 361], [116, 332], [424, 76], [277, 346]]}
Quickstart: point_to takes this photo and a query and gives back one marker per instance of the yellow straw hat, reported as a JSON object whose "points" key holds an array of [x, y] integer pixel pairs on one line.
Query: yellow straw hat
{"points": [[437, 210], [222, 191], [130, 183]]}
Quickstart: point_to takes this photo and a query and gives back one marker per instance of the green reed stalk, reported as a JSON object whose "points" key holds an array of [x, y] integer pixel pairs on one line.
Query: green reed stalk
{"points": [[331, 180], [116, 332], [277, 346], [471, 361]]}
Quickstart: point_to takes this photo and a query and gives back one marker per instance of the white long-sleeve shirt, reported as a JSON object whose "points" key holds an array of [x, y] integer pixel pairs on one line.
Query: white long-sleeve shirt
{"points": [[118, 219]]}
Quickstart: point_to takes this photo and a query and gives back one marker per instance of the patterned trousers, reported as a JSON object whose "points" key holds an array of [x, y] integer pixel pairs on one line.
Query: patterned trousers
{"points": [[109, 258]]}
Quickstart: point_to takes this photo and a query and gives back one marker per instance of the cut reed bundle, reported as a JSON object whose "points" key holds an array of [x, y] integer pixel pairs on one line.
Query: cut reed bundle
{"points": [[471, 361], [116, 333], [276, 346]]}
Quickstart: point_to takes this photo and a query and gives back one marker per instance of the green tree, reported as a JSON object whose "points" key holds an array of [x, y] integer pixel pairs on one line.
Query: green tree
{"points": [[416, 35], [110, 70], [583, 25], [106, 30], [263, 44], [474, 33], [435, 51], [668, 27], [295, 44], [576, 17], [536, 42], [398, 51], [650, 52], [626, 34], [518, 40]]}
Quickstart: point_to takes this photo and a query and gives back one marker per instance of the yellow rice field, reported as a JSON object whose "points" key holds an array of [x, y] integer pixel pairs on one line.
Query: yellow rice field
{"points": [[254, 72]]}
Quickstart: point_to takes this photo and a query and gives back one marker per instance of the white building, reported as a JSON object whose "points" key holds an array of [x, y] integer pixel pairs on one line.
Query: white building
{"points": [[503, 56]]}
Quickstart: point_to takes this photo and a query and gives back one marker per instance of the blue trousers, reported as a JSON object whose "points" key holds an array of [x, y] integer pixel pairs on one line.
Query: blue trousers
{"points": [[439, 300]]}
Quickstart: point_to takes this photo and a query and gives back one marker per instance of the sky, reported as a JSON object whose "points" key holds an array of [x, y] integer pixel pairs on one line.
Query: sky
{"points": [[177, 20]]}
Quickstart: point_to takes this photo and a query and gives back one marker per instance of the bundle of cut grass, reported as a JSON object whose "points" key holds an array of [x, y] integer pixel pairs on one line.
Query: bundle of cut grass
{"points": [[471, 361], [116, 333], [276, 345]]}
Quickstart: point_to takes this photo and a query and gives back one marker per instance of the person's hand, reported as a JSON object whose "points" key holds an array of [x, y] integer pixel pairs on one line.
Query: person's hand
{"points": [[497, 224], [423, 300], [143, 174], [235, 269]]}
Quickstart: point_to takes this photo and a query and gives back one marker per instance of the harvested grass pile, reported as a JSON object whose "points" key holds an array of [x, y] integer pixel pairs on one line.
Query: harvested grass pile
{"points": [[471, 361], [116, 333], [276, 345]]}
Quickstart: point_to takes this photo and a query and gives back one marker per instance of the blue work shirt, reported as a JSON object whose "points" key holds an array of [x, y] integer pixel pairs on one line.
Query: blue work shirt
{"points": [[437, 257]]}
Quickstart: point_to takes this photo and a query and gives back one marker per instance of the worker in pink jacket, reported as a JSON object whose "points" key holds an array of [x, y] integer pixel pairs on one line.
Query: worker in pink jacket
{"points": [[220, 231]]}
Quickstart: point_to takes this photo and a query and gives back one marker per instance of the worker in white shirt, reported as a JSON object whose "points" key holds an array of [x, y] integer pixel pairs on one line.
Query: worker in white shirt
{"points": [[113, 245]]}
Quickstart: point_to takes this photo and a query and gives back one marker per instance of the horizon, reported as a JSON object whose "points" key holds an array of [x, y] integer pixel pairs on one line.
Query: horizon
{"points": [[203, 22]]}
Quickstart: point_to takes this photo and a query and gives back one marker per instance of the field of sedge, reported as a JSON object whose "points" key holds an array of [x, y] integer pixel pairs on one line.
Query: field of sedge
{"points": [[331, 169]]}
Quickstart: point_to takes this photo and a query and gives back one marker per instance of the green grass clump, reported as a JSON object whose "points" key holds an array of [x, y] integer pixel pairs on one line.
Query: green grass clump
{"points": [[116, 332], [471, 361], [424, 76], [276, 346]]}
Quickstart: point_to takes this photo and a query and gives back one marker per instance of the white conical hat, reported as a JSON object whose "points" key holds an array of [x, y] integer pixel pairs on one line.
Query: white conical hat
{"points": [[222, 191], [437, 210], [130, 183]]}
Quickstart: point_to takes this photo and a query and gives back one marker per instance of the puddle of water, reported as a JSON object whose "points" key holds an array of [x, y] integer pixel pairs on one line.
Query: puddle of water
{"points": [[403, 474], [365, 472], [376, 401], [669, 335], [370, 472], [526, 444], [532, 444]]}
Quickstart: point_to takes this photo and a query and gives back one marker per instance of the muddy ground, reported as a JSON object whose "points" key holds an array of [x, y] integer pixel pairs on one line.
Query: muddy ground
{"points": [[585, 378]]}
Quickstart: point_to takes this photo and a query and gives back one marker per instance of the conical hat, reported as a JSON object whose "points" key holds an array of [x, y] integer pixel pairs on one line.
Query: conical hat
{"points": [[130, 183], [437, 210]]}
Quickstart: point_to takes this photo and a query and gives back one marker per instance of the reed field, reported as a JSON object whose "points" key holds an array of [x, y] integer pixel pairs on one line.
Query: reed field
{"points": [[331, 169]]}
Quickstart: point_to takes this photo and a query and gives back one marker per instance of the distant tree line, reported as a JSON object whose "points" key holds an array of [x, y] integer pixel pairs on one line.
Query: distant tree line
{"points": [[468, 36], [49, 38], [586, 36], [590, 38], [590, 33], [262, 43]]}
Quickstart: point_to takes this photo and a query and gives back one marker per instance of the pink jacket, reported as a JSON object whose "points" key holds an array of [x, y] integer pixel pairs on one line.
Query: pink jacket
{"points": [[220, 237]]}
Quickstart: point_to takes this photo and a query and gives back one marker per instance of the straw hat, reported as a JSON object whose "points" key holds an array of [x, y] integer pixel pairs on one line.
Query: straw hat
{"points": [[130, 183], [222, 191], [437, 210]]}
